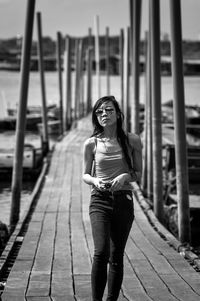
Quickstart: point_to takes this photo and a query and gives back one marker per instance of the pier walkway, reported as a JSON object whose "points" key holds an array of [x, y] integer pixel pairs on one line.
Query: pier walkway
{"points": [[55, 254]]}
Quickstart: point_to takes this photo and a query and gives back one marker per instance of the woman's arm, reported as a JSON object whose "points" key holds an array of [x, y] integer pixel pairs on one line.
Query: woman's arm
{"points": [[136, 153], [88, 159]]}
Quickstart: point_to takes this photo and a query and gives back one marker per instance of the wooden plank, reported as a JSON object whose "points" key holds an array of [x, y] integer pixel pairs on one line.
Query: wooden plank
{"points": [[81, 258], [39, 283], [38, 298], [179, 288], [65, 198], [132, 287], [62, 286], [15, 286], [82, 287], [9, 297]]}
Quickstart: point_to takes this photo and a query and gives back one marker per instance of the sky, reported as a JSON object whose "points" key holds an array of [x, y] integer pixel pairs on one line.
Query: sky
{"points": [[75, 17]]}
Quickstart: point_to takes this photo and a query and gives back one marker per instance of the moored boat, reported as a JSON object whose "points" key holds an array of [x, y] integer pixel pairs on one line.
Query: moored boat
{"points": [[32, 156]]}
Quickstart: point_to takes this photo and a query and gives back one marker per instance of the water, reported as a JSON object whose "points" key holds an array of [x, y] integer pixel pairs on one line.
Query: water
{"points": [[9, 96], [5, 198], [10, 83]]}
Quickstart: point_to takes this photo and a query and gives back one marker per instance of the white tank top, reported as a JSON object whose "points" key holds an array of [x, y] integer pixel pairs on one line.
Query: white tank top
{"points": [[110, 161]]}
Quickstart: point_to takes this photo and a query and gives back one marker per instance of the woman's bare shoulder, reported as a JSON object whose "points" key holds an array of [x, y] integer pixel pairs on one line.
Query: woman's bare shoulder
{"points": [[135, 141], [90, 143]]}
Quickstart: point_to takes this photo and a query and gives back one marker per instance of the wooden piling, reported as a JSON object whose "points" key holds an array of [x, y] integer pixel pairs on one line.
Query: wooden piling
{"points": [[97, 55], [107, 52], [45, 140], [126, 72], [179, 123], [21, 118], [89, 72], [135, 17], [81, 81], [89, 80], [68, 80], [144, 172], [60, 81], [156, 109], [121, 65], [149, 123], [76, 89]]}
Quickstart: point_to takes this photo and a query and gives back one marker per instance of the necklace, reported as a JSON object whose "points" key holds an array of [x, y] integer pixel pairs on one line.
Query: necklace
{"points": [[107, 140]]}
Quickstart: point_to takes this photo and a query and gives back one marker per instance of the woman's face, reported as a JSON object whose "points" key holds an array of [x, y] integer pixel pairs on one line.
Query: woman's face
{"points": [[106, 114]]}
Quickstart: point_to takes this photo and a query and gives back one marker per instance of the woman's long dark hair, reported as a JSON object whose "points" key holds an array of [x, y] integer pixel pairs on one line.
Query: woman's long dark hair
{"points": [[121, 135]]}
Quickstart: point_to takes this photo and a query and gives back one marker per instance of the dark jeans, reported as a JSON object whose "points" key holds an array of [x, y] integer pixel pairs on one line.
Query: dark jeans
{"points": [[111, 220]]}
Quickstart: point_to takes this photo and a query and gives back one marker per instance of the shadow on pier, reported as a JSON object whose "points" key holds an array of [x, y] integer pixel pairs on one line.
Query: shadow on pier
{"points": [[48, 257]]}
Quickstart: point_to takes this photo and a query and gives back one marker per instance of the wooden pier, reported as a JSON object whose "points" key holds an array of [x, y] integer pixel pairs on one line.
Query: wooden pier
{"points": [[55, 246]]}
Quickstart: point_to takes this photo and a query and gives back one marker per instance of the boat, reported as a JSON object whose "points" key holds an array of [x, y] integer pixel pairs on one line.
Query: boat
{"points": [[8, 117], [32, 156]]}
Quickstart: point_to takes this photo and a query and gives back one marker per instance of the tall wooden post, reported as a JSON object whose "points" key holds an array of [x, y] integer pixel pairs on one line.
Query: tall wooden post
{"points": [[121, 65], [68, 94], [89, 70], [80, 71], [179, 121], [144, 172], [156, 108], [76, 90], [60, 82], [89, 80], [21, 119], [43, 90], [126, 97], [135, 16], [97, 56], [107, 51], [149, 123]]}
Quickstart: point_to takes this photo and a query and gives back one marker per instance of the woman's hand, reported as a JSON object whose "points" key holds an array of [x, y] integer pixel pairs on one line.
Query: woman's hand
{"points": [[119, 181], [99, 184]]}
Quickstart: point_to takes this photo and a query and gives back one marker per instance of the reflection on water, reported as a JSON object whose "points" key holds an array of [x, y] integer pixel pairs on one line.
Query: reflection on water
{"points": [[5, 198]]}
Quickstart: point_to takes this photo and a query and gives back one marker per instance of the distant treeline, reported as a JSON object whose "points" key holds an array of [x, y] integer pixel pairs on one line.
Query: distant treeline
{"points": [[9, 47], [10, 54]]}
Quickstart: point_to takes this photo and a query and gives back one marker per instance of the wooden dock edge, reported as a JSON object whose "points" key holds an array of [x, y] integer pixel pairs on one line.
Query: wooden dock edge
{"points": [[185, 251], [16, 235]]}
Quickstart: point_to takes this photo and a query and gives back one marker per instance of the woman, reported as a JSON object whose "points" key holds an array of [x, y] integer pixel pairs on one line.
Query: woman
{"points": [[112, 160]]}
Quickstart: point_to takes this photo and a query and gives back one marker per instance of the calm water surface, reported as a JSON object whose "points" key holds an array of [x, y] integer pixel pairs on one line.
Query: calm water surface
{"points": [[10, 82]]}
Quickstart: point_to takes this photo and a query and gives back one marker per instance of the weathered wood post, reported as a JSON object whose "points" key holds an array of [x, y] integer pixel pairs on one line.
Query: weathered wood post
{"points": [[89, 80], [126, 72], [156, 108], [97, 56], [107, 51], [78, 77], [135, 17], [21, 118], [144, 172], [81, 84], [68, 80], [76, 90], [45, 140], [60, 81], [89, 72], [149, 124], [179, 122], [121, 65]]}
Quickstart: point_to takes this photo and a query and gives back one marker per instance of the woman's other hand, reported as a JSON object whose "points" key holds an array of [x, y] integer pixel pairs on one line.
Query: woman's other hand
{"points": [[119, 181]]}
